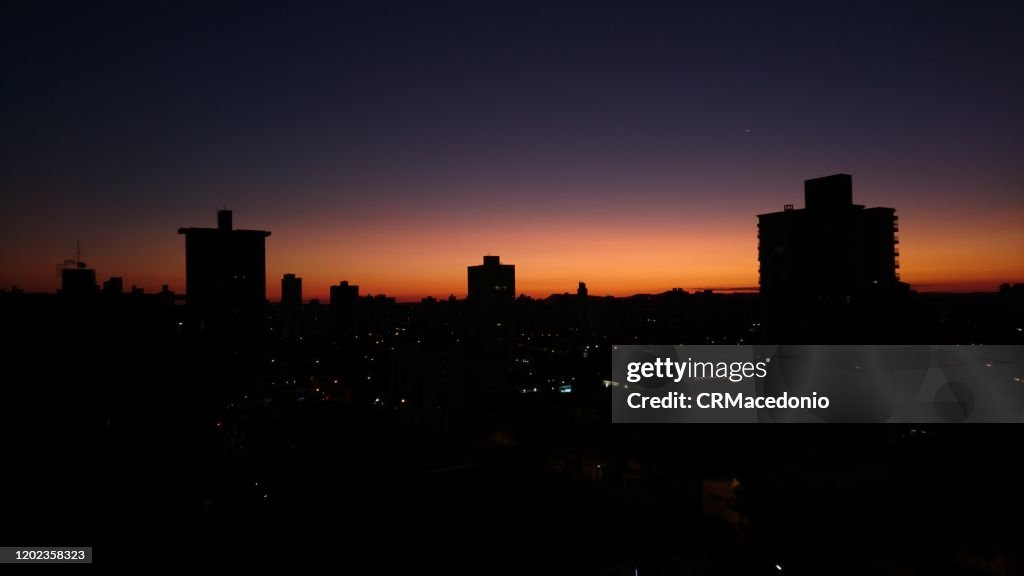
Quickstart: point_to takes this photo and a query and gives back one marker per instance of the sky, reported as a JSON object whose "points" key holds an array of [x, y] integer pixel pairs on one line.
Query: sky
{"points": [[629, 144]]}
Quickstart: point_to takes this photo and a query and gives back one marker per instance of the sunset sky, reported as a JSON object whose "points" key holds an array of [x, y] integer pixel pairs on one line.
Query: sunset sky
{"points": [[626, 144]]}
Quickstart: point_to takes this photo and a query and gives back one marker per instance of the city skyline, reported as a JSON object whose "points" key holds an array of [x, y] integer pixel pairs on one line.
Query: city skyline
{"points": [[262, 266], [626, 146], [563, 279], [453, 284]]}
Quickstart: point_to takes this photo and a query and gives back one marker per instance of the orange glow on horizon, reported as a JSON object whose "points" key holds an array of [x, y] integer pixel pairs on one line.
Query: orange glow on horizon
{"points": [[413, 256]]}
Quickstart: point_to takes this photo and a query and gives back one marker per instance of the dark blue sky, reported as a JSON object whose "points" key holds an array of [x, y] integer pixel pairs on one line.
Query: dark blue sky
{"points": [[384, 124]]}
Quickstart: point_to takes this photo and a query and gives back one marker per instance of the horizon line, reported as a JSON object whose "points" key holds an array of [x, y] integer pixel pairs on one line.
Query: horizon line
{"points": [[924, 288]]}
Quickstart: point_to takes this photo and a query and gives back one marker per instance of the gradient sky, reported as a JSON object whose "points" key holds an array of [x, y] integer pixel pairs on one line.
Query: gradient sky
{"points": [[628, 144]]}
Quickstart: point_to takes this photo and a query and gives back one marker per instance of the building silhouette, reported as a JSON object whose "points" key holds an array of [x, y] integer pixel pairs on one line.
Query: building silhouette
{"points": [[344, 308], [492, 282], [824, 266], [225, 272], [491, 299], [582, 305], [77, 280], [113, 286], [225, 286], [291, 306]]}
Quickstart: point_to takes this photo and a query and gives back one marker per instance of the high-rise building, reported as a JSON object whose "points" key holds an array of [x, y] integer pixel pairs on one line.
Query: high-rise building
{"points": [[225, 272], [291, 306], [224, 267], [344, 308], [830, 257], [491, 299], [225, 293], [78, 281], [492, 282]]}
